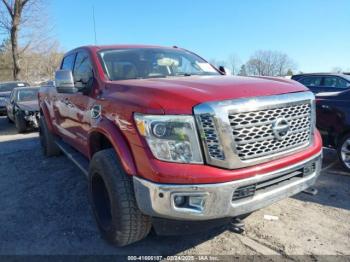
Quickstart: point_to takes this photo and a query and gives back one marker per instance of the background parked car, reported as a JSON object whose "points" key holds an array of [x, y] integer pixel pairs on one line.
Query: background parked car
{"points": [[324, 82], [23, 109], [5, 91], [333, 121]]}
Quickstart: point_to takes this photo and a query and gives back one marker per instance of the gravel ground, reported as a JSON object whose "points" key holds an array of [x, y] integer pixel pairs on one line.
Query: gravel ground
{"points": [[44, 210]]}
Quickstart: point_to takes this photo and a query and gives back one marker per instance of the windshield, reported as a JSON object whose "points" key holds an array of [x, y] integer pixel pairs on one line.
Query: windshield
{"points": [[141, 63], [27, 95], [8, 87]]}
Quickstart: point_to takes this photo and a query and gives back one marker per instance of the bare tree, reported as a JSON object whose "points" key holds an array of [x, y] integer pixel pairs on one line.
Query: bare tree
{"points": [[24, 22], [5, 60], [242, 71], [337, 70], [234, 63], [217, 63], [269, 63], [36, 65]]}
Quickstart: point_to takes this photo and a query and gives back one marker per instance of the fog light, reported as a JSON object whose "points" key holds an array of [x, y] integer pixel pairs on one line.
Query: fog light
{"points": [[190, 202], [197, 202], [179, 201]]}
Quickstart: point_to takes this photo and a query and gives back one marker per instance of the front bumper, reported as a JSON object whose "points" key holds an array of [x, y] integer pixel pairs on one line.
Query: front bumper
{"points": [[212, 201], [32, 119]]}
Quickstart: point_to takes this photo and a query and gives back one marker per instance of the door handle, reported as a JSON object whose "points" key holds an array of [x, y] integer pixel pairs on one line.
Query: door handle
{"points": [[67, 102]]}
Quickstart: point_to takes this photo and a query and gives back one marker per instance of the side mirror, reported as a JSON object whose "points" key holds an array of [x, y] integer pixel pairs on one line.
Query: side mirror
{"points": [[224, 70], [64, 81]]}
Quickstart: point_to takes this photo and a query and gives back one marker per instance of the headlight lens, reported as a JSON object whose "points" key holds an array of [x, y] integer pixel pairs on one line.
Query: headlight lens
{"points": [[171, 138]]}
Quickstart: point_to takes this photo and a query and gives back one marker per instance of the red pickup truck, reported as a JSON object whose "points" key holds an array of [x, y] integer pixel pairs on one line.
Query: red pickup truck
{"points": [[162, 135]]}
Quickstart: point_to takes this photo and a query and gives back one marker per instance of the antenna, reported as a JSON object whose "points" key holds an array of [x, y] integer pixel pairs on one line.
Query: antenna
{"points": [[93, 19]]}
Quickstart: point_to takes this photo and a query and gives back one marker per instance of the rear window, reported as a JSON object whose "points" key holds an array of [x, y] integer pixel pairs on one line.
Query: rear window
{"points": [[8, 87]]}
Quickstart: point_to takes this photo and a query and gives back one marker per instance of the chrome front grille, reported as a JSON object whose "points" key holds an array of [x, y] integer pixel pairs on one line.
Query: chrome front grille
{"points": [[211, 137], [242, 132], [253, 134]]}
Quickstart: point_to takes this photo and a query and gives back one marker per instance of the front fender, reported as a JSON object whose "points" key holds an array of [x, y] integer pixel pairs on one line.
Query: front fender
{"points": [[118, 141]]}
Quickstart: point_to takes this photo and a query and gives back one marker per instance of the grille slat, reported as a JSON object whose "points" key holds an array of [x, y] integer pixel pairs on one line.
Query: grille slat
{"points": [[270, 137], [306, 116], [253, 131], [211, 137]]}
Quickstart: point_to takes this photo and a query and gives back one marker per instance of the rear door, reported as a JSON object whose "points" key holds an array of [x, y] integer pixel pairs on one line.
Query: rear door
{"points": [[312, 82], [333, 115]]}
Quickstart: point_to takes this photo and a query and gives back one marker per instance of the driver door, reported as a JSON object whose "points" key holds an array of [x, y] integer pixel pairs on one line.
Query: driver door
{"points": [[74, 108]]}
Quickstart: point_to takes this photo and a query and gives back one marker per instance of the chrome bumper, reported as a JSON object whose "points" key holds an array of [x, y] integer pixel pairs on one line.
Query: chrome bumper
{"points": [[213, 201]]}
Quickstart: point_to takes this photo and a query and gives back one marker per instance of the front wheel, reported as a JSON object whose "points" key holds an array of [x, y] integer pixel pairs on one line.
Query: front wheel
{"points": [[20, 122], [113, 201], [47, 139], [344, 151], [9, 120]]}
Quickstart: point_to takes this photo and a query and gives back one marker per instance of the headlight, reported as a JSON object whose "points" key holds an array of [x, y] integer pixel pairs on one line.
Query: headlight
{"points": [[171, 138]]}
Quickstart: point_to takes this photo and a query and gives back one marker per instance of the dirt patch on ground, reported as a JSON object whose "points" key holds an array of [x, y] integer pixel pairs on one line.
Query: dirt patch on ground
{"points": [[44, 210]]}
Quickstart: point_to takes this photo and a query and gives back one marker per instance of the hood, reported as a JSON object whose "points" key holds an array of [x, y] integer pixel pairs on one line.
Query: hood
{"points": [[5, 94], [29, 105], [179, 95]]}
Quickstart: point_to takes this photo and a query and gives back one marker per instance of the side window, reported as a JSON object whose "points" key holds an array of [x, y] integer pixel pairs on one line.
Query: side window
{"points": [[82, 72], [68, 62], [342, 83], [335, 82], [311, 81]]}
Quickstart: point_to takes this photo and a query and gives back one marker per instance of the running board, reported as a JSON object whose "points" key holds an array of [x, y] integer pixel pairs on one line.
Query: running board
{"points": [[76, 157]]}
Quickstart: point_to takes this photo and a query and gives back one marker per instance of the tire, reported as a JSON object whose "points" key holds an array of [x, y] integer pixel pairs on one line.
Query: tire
{"points": [[20, 122], [344, 152], [113, 202], [47, 139], [9, 120]]}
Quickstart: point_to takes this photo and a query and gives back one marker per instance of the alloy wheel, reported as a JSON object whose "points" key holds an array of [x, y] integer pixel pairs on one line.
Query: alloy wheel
{"points": [[345, 152]]}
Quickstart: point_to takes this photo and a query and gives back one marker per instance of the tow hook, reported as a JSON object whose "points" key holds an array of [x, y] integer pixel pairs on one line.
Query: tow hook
{"points": [[237, 225], [311, 191]]}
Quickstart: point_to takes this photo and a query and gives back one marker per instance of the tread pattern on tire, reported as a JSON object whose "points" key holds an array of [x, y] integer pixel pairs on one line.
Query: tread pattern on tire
{"points": [[131, 225], [47, 139]]}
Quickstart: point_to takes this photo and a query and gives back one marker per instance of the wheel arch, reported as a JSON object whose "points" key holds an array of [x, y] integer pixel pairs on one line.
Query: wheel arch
{"points": [[45, 112], [106, 135], [339, 137]]}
